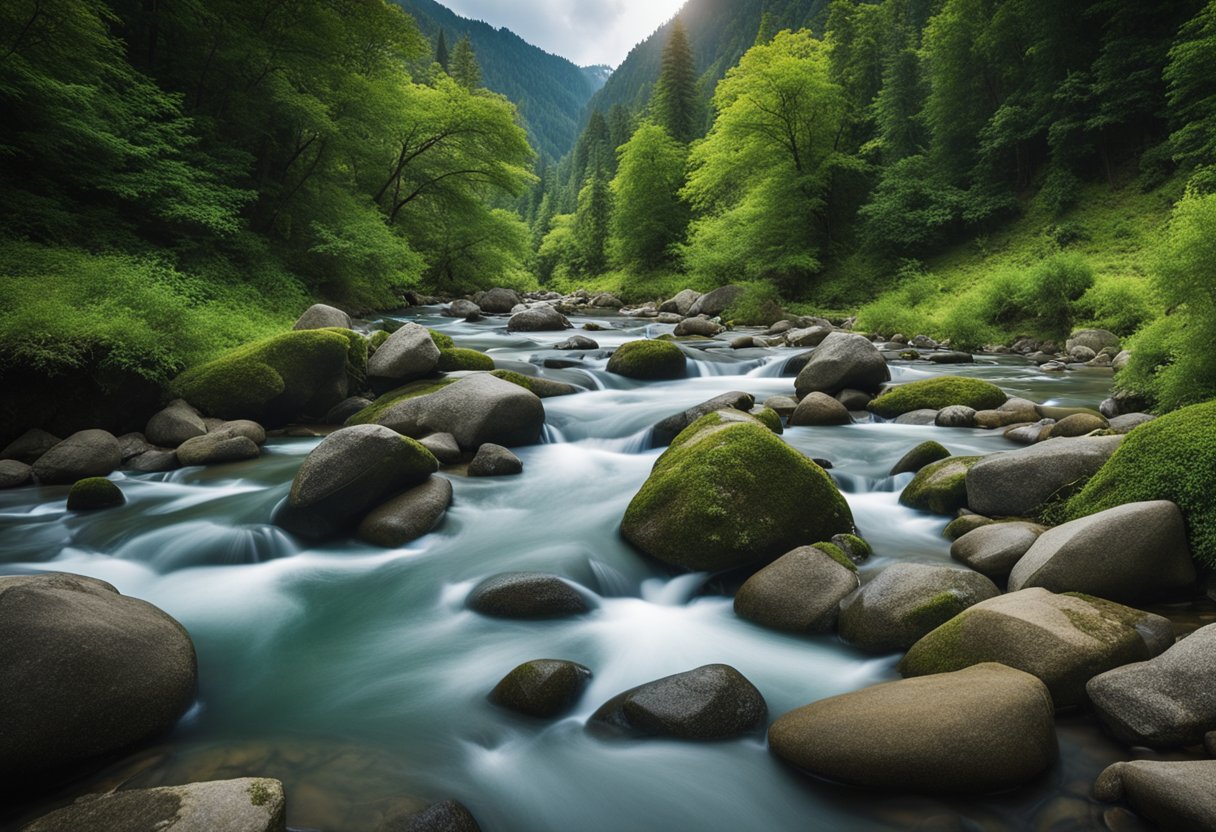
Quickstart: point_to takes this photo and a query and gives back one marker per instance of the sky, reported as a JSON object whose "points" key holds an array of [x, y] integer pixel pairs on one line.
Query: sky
{"points": [[585, 31]]}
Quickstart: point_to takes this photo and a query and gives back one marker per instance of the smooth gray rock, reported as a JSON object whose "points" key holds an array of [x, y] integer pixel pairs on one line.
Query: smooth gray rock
{"points": [[133, 444], [921, 418], [216, 448], [30, 445], [495, 461], [407, 516], [820, 409], [445, 816], [155, 461], [461, 308], [475, 410], [713, 702], [811, 336], [712, 304], [800, 592], [670, 428], [538, 319], [343, 410], [1165, 702], [443, 446], [543, 688], [498, 301], [1094, 340], [84, 671], [994, 548], [577, 342], [14, 473], [681, 303], [527, 595], [783, 405], [698, 326], [843, 360], [906, 601], [1126, 553], [86, 453], [409, 353], [1017, 483], [1176, 796], [320, 316], [174, 425], [955, 416], [1130, 421], [854, 399]]}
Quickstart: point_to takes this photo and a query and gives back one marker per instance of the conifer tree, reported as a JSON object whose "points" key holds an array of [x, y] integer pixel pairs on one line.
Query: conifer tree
{"points": [[465, 68], [674, 101], [592, 221], [441, 52]]}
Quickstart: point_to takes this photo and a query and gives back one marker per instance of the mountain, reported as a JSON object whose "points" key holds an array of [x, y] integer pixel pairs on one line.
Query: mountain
{"points": [[720, 32], [598, 75], [549, 90]]}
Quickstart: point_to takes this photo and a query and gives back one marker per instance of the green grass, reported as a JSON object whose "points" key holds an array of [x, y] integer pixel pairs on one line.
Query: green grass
{"points": [[633, 287]]}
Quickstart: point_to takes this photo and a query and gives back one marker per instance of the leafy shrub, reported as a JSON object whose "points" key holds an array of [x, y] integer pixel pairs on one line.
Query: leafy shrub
{"points": [[1120, 304], [758, 305], [1051, 289]]}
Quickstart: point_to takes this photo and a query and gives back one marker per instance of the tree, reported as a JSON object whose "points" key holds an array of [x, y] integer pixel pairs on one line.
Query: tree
{"points": [[591, 224], [673, 103], [441, 52], [465, 68], [648, 215], [1192, 98]]}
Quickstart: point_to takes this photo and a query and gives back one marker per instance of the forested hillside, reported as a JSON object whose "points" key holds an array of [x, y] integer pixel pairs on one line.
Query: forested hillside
{"points": [[550, 91]]}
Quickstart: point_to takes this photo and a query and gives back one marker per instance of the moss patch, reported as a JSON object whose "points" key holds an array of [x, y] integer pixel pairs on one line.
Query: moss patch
{"points": [[769, 418], [454, 359], [371, 414], [926, 453], [936, 611], [376, 340], [936, 393], [444, 342], [837, 554], [356, 359], [648, 360], [939, 651], [941, 487], [94, 493], [259, 795], [1171, 458]]}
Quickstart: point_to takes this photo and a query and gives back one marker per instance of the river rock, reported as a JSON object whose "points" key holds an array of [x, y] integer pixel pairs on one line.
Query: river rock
{"points": [[713, 702], [251, 804], [216, 448], [174, 425], [712, 304], [985, 728], [698, 326], [352, 470], [800, 592], [409, 353], [443, 447], [476, 409], [1065, 640], [1095, 340], [994, 548], [1127, 553], [852, 547], [86, 453], [155, 461], [843, 360], [952, 357], [461, 308], [919, 418], [811, 336], [668, 429], [343, 410], [681, 303], [1178, 796], [407, 516], [783, 405], [955, 416], [14, 473], [708, 503], [965, 523], [648, 360], [820, 409], [498, 301], [495, 461], [926, 453], [1017, 483], [577, 342], [1130, 421], [527, 595], [541, 318], [940, 487], [854, 399], [94, 493], [1078, 424], [444, 816], [1165, 702], [320, 316], [84, 671], [906, 601], [543, 688], [29, 446], [937, 393]]}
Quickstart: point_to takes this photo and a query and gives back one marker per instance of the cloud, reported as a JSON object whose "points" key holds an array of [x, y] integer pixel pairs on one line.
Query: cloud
{"points": [[585, 31]]}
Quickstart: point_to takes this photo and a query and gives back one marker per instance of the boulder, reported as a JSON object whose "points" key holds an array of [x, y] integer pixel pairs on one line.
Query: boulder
{"points": [[668, 429], [174, 425], [1065, 640], [527, 595], [955, 416], [607, 300], [250, 804], [648, 360], [86, 453], [982, 729], [926, 453], [343, 410], [29, 446], [820, 409], [1078, 424], [1095, 340], [681, 303], [84, 671], [543, 688], [443, 446], [475, 410], [800, 592], [495, 461], [698, 326], [710, 501], [1127, 553], [907, 601], [843, 360], [216, 448], [251, 430], [408, 516], [577, 342], [94, 493], [854, 399], [712, 304], [320, 316], [541, 318], [713, 702], [1017, 483], [994, 548], [408, 354], [461, 308], [14, 473], [498, 301], [1180, 796], [940, 487], [937, 393], [155, 461], [352, 470], [1168, 701]]}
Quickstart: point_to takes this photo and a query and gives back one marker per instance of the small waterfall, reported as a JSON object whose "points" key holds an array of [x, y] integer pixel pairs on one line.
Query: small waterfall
{"points": [[206, 543]]}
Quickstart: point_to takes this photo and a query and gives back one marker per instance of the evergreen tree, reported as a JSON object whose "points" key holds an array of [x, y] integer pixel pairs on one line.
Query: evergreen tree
{"points": [[591, 222], [674, 103], [441, 52], [648, 215], [465, 68]]}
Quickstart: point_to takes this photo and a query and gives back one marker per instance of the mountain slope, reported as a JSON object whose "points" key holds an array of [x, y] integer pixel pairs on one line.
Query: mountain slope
{"points": [[549, 90]]}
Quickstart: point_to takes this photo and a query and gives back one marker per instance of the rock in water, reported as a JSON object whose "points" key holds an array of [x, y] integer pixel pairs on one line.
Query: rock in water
{"points": [[844, 360], [670, 428], [538, 319], [982, 729], [495, 461], [730, 493], [498, 301], [681, 303], [543, 688], [995, 548], [409, 353], [1180, 797], [923, 454], [648, 361], [245, 805], [407, 516], [820, 409], [527, 595], [714, 702], [475, 410], [320, 316], [351, 470], [445, 816], [936, 394], [87, 453], [1017, 483], [84, 671], [94, 493], [940, 487], [800, 592], [217, 447]]}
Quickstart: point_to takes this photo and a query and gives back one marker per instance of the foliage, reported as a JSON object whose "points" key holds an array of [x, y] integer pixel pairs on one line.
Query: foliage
{"points": [[758, 305], [673, 104], [649, 217], [1192, 98]]}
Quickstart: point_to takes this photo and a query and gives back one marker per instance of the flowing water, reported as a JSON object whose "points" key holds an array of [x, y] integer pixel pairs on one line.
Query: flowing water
{"points": [[358, 677]]}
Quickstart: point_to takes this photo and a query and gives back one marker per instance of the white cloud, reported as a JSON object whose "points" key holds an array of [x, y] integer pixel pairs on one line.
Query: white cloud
{"points": [[585, 31]]}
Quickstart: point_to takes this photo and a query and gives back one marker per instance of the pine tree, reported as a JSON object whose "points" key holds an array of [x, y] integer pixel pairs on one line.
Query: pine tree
{"points": [[441, 52], [592, 221], [674, 102], [465, 68], [765, 33]]}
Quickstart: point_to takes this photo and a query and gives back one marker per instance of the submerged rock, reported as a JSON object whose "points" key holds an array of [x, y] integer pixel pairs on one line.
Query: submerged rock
{"points": [[713, 702], [543, 688], [527, 595]]}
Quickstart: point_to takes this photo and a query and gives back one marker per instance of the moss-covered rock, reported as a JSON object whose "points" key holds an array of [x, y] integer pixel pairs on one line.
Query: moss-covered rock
{"points": [[730, 493], [272, 381], [543, 387], [768, 417], [1171, 458], [648, 360], [455, 359], [357, 353], [371, 415], [940, 487], [936, 393], [376, 340], [444, 342], [94, 492], [926, 453]]}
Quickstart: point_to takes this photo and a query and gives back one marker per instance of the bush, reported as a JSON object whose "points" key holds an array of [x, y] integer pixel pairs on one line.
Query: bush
{"points": [[1051, 289], [1120, 304], [758, 305]]}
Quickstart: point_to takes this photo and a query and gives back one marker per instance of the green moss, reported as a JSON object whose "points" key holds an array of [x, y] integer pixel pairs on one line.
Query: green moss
{"points": [[371, 414], [453, 359], [272, 380], [259, 795], [837, 554], [770, 418], [376, 340], [941, 487], [940, 651], [444, 342], [648, 360], [936, 611], [855, 547], [926, 453], [94, 493], [356, 359], [936, 393], [1110, 611]]}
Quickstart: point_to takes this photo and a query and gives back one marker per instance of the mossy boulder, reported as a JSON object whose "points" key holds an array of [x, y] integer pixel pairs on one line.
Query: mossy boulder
{"points": [[476, 409], [1171, 458], [371, 414], [542, 387], [543, 688], [454, 359], [291, 376], [649, 360], [442, 340], [93, 493], [730, 493], [937, 393], [926, 453], [768, 417], [941, 487]]}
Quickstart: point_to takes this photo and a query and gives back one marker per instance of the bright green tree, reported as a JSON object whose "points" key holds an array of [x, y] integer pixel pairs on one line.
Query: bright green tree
{"points": [[648, 215], [674, 103], [592, 224], [465, 68]]}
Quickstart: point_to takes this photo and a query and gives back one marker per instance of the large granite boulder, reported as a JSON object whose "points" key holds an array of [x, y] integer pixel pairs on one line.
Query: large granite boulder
{"points": [[800, 592], [842, 361], [475, 410], [713, 702], [1176, 796], [320, 316], [1017, 483], [409, 353], [993, 549], [86, 453]]}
